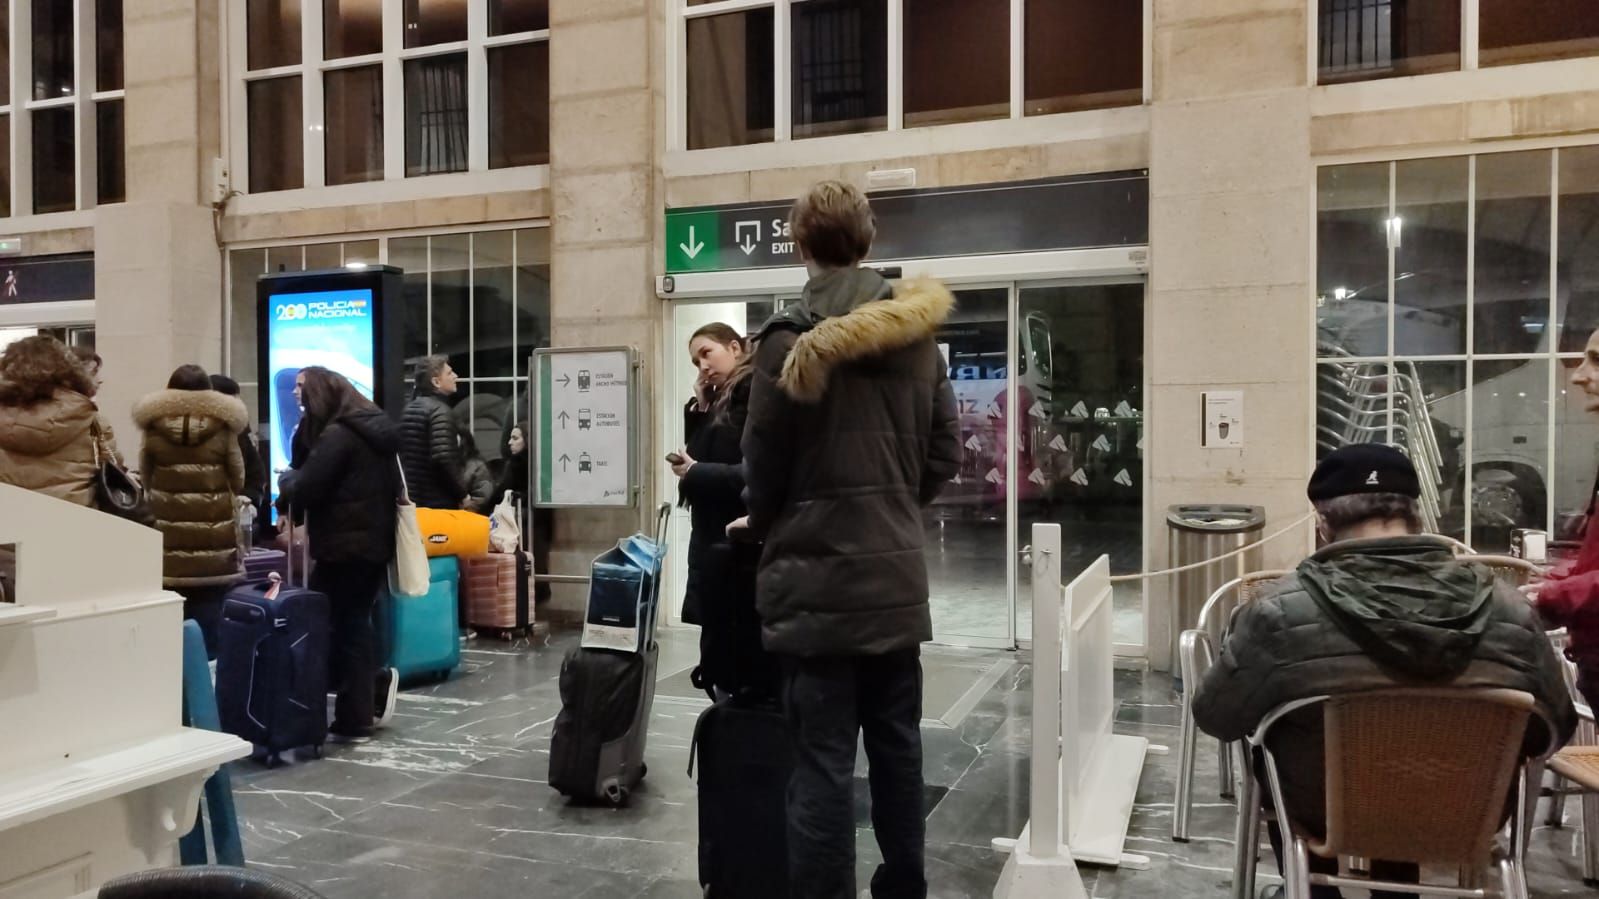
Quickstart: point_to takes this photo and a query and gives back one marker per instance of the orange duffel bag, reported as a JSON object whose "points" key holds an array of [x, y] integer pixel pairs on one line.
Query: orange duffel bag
{"points": [[453, 532]]}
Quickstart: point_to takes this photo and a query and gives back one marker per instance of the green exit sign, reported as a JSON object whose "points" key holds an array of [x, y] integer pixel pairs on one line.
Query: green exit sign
{"points": [[10, 246], [693, 241]]}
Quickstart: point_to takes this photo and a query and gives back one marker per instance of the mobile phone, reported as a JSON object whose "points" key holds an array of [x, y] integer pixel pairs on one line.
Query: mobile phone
{"points": [[674, 458]]}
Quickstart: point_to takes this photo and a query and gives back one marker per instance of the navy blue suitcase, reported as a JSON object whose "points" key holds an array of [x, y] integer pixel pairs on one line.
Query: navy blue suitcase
{"points": [[272, 667]]}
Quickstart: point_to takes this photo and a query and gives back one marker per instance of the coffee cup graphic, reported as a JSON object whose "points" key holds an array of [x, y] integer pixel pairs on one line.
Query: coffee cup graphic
{"points": [[1223, 428]]}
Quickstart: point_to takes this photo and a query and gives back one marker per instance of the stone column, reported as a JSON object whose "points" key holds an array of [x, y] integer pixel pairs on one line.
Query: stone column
{"points": [[1231, 226], [607, 79], [158, 270]]}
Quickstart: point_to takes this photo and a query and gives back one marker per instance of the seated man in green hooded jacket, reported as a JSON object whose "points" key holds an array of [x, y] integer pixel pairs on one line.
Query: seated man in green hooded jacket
{"points": [[1381, 606]]}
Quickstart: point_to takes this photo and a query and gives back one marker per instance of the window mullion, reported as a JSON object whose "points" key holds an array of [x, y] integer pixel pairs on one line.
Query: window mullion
{"points": [[314, 126], [87, 144], [238, 113], [896, 65], [21, 117], [393, 91], [1469, 33], [1018, 60], [782, 51], [477, 88]]}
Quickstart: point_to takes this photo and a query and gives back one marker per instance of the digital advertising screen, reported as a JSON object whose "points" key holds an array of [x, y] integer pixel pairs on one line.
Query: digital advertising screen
{"points": [[335, 329]]}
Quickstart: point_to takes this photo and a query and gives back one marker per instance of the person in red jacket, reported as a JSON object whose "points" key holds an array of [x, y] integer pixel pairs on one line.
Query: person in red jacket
{"points": [[1569, 597]]}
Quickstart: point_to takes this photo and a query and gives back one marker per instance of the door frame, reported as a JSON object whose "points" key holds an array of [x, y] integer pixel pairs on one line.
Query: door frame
{"points": [[1011, 271]]}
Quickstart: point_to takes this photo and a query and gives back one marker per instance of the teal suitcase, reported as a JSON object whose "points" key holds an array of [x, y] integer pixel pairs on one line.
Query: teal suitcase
{"points": [[421, 634]]}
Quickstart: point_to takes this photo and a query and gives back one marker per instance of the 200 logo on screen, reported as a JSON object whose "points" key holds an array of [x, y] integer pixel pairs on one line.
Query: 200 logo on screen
{"points": [[289, 312]]}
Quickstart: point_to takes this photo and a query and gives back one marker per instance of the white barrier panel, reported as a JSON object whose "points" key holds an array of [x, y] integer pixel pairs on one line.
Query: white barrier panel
{"points": [[1084, 777], [99, 777]]}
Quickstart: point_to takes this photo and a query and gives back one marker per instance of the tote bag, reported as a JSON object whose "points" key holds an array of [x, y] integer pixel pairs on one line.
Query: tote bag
{"points": [[408, 573]]}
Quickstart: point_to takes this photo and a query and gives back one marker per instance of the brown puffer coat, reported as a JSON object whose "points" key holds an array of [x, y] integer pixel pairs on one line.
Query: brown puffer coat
{"points": [[192, 469], [49, 447]]}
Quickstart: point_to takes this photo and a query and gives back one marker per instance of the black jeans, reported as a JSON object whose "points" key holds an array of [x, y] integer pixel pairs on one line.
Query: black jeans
{"points": [[352, 591], [203, 606], [829, 700]]}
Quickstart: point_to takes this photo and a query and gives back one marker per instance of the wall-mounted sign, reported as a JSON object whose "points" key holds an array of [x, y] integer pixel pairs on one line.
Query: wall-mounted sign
{"points": [[1224, 418], [1081, 212], [46, 279], [583, 436]]}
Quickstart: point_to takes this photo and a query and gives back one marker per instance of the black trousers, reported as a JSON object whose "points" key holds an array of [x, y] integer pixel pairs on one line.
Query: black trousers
{"points": [[829, 701], [352, 591], [203, 606]]}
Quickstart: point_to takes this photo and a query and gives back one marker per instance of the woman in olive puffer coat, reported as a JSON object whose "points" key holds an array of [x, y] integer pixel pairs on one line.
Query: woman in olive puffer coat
{"points": [[193, 470]]}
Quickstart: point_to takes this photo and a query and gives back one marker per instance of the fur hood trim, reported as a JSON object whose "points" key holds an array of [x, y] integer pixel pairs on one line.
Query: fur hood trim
{"points": [[228, 410], [913, 313]]}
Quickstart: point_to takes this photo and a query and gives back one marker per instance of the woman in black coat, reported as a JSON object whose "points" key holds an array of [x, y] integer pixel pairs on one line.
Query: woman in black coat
{"points": [[720, 597], [343, 483]]}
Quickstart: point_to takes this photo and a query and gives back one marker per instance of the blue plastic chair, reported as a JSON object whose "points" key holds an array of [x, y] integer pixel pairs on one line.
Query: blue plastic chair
{"points": [[200, 710]]}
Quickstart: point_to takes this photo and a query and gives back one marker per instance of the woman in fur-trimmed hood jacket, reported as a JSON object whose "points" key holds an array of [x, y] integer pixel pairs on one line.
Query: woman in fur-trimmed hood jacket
{"points": [[852, 429], [192, 469]]}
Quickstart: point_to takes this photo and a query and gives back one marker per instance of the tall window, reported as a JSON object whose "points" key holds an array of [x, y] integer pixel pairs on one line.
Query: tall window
{"points": [[1364, 39], [1453, 298], [364, 90], [481, 297], [61, 109], [794, 69]]}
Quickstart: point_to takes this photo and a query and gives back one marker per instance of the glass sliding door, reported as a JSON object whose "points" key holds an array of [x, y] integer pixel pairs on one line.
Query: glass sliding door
{"points": [[1049, 384], [970, 526], [1079, 435]]}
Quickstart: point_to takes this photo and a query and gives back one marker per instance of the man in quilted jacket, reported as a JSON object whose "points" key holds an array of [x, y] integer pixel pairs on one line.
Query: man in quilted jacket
{"points": [[435, 468], [1382, 605]]}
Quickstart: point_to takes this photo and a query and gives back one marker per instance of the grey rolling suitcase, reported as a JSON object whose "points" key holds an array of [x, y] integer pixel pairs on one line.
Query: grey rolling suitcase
{"points": [[607, 694]]}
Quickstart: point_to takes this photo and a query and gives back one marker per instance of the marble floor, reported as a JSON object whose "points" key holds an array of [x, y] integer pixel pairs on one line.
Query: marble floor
{"points": [[452, 799]]}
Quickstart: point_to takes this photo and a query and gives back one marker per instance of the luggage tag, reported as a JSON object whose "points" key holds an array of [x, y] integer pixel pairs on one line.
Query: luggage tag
{"points": [[275, 582]]}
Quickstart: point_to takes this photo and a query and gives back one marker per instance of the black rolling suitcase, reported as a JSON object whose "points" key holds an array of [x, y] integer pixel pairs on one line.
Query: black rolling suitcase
{"points": [[744, 753], [272, 665], [597, 746]]}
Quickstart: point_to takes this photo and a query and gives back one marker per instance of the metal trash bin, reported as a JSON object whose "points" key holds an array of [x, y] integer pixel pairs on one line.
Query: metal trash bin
{"points": [[1204, 531]]}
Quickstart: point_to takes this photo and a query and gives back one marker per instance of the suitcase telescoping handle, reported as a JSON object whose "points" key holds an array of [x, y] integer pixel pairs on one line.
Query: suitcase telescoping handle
{"points": [[288, 556], [663, 520]]}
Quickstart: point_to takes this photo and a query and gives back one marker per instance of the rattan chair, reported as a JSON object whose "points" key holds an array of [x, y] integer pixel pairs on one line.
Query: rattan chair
{"points": [[1509, 569], [1197, 649], [1575, 770], [1412, 775]]}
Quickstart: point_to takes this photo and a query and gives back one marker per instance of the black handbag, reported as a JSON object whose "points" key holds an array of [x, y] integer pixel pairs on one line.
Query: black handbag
{"points": [[115, 491]]}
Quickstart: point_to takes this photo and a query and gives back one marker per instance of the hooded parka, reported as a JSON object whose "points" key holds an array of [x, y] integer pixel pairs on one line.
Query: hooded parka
{"points": [[192, 469], [48, 447], [852, 429], [1372, 614]]}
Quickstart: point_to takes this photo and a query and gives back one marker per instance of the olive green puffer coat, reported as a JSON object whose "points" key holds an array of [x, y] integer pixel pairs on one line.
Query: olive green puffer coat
{"points": [[192, 469]]}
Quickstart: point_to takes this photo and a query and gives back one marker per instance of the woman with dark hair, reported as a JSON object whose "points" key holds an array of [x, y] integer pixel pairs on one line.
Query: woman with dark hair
{"points": [[513, 477], [47, 421], [343, 482], [721, 575], [255, 473], [480, 497], [192, 470]]}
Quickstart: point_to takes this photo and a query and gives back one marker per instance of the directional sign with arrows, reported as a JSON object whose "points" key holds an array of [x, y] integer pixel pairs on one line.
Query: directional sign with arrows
{"points": [[584, 435]]}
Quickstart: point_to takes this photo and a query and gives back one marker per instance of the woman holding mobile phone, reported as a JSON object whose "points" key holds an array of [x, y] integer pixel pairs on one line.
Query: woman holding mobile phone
{"points": [[721, 574]]}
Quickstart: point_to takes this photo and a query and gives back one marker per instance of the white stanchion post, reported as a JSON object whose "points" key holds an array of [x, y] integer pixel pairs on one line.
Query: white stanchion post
{"points": [[1040, 864]]}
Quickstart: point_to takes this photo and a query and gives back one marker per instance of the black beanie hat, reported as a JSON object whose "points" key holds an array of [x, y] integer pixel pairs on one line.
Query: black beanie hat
{"points": [[1364, 468]]}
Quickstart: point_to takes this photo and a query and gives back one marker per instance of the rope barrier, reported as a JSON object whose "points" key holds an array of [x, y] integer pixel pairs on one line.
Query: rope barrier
{"points": [[1150, 575]]}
